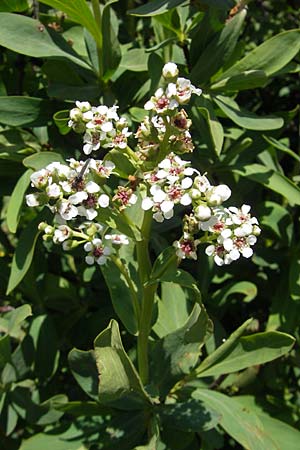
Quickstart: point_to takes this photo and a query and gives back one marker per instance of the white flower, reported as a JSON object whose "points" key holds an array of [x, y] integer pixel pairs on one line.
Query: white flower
{"points": [[83, 106], [118, 239], [170, 70], [40, 179], [32, 200], [61, 234], [53, 191], [67, 210], [201, 183], [97, 252]]}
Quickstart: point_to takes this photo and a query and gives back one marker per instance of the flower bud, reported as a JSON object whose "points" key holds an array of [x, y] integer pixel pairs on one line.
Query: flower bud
{"points": [[203, 212], [170, 70]]}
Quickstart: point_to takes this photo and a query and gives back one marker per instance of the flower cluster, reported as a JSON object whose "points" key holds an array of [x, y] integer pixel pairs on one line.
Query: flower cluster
{"points": [[82, 194], [101, 125], [97, 244], [166, 118], [71, 190], [170, 184]]}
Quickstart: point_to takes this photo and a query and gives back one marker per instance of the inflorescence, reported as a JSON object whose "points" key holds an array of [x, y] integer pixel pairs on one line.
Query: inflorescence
{"points": [[81, 198]]}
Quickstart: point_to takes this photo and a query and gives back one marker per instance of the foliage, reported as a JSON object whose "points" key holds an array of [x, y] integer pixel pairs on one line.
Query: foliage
{"points": [[216, 364]]}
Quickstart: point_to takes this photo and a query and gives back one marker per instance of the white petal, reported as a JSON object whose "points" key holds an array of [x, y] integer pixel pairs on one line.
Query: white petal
{"points": [[147, 203], [169, 214], [158, 216], [210, 250], [228, 244], [78, 197], [185, 200], [186, 183], [245, 209], [89, 260], [107, 127], [166, 206], [88, 246], [103, 200], [92, 187], [247, 252]]}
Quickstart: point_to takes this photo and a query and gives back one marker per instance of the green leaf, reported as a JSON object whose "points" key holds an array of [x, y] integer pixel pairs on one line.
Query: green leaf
{"points": [[123, 165], [278, 219], [166, 261], [79, 12], [239, 422], [246, 288], [40, 414], [111, 55], [225, 348], [135, 60], [5, 351], [178, 352], [294, 274], [33, 39], [271, 180], [120, 295], [8, 416], [25, 111], [280, 146], [118, 430], [13, 5], [270, 56], [218, 51], [84, 369], [246, 352], [249, 79], [119, 384], [209, 127], [46, 356], [42, 159], [191, 415], [247, 119], [16, 317], [24, 253], [16, 201], [283, 436], [61, 119], [155, 7]]}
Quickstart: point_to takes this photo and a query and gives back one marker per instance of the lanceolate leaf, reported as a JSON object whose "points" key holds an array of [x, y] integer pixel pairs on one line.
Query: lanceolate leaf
{"points": [[270, 56], [24, 252], [247, 119], [33, 39], [155, 7], [249, 79], [16, 200], [218, 50], [25, 111], [271, 180], [239, 422], [248, 351]]}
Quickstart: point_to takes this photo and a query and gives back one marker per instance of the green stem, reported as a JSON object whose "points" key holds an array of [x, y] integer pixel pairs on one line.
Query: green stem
{"points": [[148, 297], [99, 42], [124, 271]]}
